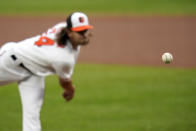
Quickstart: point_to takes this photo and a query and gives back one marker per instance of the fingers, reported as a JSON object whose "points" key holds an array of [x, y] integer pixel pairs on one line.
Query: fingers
{"points": [[68, 95], [69, 92]]}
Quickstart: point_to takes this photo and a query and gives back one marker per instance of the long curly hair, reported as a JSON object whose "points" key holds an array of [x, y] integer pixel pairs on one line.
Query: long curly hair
{"points": [[62, 36]]}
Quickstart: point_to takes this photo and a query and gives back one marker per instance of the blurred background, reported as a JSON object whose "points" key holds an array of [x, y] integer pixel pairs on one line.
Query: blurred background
{"points": [[126, 31], [122, 82]]}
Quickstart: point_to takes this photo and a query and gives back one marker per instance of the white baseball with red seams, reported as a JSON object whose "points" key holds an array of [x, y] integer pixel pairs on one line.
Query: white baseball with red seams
{"points": [[167, 58]]}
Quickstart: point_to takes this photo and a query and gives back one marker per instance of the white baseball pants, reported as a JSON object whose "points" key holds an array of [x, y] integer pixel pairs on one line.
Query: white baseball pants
{"points": [[31, 90]]}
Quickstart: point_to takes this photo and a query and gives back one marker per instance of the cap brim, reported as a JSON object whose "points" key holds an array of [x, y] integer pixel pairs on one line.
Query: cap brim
{"points": [[81, 28]]}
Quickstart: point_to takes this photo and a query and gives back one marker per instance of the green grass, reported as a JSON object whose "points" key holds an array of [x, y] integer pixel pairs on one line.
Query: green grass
{"points": [[115, 7], [113, 98]]}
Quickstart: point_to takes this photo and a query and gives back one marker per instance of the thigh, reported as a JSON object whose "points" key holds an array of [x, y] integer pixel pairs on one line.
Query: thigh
{"points": [[32, 92]]}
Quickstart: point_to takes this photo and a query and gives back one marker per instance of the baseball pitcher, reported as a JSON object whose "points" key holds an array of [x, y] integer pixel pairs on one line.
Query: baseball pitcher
{"points": [[28, 62]]}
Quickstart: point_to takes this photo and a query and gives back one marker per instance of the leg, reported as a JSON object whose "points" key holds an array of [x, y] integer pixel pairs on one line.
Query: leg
{"points": [[32, 93]]}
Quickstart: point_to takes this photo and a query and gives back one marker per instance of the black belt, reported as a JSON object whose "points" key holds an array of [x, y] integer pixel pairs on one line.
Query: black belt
{"points": [[21, 64]]}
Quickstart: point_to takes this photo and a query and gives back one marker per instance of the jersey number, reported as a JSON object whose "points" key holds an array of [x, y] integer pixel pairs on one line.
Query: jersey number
{"points": [[44, 41]]}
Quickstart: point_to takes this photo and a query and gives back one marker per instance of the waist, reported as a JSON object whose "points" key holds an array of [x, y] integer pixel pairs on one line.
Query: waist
{"points": [[32, 67], [14, 58]]}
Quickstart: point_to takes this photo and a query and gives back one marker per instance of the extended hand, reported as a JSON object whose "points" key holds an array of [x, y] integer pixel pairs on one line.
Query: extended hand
{"points": [[68, 94]]}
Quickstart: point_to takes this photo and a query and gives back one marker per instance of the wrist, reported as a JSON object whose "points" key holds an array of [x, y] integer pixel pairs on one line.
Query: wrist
{"points": [[65, 83]]}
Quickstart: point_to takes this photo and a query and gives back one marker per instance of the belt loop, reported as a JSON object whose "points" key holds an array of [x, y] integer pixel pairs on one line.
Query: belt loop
{"points": [[21, 64], [14, 57]]}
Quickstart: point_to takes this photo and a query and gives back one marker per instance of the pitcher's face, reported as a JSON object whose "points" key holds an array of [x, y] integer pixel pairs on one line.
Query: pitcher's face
{"points": [[79, 38]]}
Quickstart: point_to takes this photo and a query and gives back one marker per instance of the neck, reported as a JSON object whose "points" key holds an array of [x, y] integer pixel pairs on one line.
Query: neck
{"points": [[74, 46]]}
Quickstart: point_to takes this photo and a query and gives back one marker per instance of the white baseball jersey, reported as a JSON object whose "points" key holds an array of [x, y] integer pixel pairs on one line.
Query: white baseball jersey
{"points": [[43, 56]]}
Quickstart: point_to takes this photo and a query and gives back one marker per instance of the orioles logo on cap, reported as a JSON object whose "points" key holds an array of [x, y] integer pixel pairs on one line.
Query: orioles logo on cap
{"points": [[81, 19]]}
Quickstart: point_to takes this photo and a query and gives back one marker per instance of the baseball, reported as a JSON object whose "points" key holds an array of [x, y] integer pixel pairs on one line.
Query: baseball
{"points": [[167, 58]]}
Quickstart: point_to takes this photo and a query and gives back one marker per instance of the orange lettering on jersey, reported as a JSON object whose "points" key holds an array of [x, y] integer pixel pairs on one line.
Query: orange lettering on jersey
{"points": [[44, 41]]}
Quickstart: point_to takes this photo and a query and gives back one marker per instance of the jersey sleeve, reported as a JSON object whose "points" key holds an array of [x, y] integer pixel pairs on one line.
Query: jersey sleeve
{"points": [[64, 71]]}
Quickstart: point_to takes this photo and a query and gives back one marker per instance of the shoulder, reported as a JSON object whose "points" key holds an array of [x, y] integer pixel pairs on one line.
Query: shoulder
{"points": [[52, 32], [59, 26]]}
